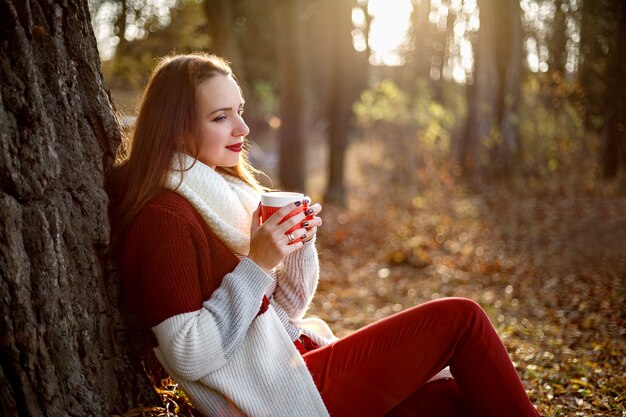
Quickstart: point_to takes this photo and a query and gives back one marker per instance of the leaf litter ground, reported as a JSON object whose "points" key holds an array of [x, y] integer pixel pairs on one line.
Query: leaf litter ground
{"points": [[546, 261]]}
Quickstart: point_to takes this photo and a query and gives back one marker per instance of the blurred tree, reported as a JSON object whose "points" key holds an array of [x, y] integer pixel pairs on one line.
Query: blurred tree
{"points": [[319, 35], [418, 57], [291, 78], [427, 47], [257, 29], [120, 24], [557, 58], [558, 38], [490, 143], [433, 46], [347, 72], [613, 152], [597, 26], [59, 324], [441, 36], [601, 73], [223, 17], [130, 67], [117, 22]]}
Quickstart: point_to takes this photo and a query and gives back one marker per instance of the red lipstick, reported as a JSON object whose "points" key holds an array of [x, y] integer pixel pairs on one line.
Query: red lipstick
{"points": [[237, 147]]}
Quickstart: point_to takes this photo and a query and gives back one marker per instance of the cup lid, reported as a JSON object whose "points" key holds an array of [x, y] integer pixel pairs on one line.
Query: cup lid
{"points": [[280, 198]]}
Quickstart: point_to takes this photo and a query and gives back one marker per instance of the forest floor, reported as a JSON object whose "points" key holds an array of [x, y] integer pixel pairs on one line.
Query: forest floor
{"points": [[546, 260]]}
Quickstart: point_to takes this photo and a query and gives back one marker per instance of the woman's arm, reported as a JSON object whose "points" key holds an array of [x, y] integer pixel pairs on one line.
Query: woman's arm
{"points": [[196, 336], [297, 279], [197, 343]]}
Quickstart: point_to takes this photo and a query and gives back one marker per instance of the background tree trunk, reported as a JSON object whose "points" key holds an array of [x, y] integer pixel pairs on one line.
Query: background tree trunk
{"points": [[595, 28], [221, 16], [482, 95], [510, 69], [291, 170], [340, 100], [490, 142], [59, 322], [558, 39], [613, 152], [418, 60]]}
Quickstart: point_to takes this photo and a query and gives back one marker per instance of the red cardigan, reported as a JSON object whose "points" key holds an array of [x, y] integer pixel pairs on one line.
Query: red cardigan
{"points": [[171, 260]]}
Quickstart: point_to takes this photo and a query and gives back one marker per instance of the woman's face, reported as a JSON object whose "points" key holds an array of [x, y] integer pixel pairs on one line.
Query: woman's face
{"points": [[220, 126]]}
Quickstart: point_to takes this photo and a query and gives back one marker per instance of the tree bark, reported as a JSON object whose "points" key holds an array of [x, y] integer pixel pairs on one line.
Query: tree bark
{"points": [[59, 349], [291, 170]]}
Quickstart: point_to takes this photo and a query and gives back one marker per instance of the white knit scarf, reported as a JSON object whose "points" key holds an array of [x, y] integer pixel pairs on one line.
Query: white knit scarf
{"points": [[226, 203]]}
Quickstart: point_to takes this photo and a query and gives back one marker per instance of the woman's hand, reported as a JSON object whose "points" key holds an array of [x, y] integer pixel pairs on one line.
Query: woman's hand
{"points": [[269, 242]]}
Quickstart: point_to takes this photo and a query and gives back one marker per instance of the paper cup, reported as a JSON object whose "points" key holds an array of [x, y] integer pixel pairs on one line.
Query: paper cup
{"points": [[273, 201]]}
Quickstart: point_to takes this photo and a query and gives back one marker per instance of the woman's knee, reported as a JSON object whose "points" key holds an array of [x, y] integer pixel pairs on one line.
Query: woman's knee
{"points": [[465, 307]]}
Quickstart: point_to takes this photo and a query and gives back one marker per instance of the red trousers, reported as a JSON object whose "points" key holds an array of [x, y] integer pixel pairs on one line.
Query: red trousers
{"points": [[382, 369]]}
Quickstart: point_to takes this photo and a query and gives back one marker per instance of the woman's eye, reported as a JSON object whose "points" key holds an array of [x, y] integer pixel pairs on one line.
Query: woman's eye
{"points": [[240, 112], [220, 118]]}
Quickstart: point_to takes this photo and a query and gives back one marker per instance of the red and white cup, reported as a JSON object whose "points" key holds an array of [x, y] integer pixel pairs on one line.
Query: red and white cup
{"points": [[273, 201]]}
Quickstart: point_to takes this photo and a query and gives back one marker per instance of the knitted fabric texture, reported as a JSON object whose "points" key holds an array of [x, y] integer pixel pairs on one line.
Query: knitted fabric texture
{"points": [[226, 203]]}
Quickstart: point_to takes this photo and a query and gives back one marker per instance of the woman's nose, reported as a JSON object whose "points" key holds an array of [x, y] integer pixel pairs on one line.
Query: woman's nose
{"points": [[241, 129]]}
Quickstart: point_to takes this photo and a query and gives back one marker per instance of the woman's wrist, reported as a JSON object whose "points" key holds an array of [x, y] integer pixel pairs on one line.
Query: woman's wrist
{"points": [[264, 268]]}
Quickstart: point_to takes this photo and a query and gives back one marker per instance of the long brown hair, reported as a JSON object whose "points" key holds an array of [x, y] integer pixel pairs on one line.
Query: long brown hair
{"points": [[166, 114]]}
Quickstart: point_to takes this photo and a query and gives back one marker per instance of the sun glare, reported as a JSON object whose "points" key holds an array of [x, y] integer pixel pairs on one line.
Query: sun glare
{"points": [[389, 31]]}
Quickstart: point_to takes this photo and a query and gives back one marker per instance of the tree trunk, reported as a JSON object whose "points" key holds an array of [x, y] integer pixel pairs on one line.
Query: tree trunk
{"points": [[320, 40], [418, 60], [59, 322], [510, 68], [491, 141], [121, 24], [613, 149], [221, 16], [482, 96], [558, 39], [441, 40], [292, 152], [339, 108], [594, 28], [119, 62]]}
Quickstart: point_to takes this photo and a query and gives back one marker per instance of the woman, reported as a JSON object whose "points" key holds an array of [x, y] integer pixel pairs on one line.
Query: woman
{"points": [[225, 295]]}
